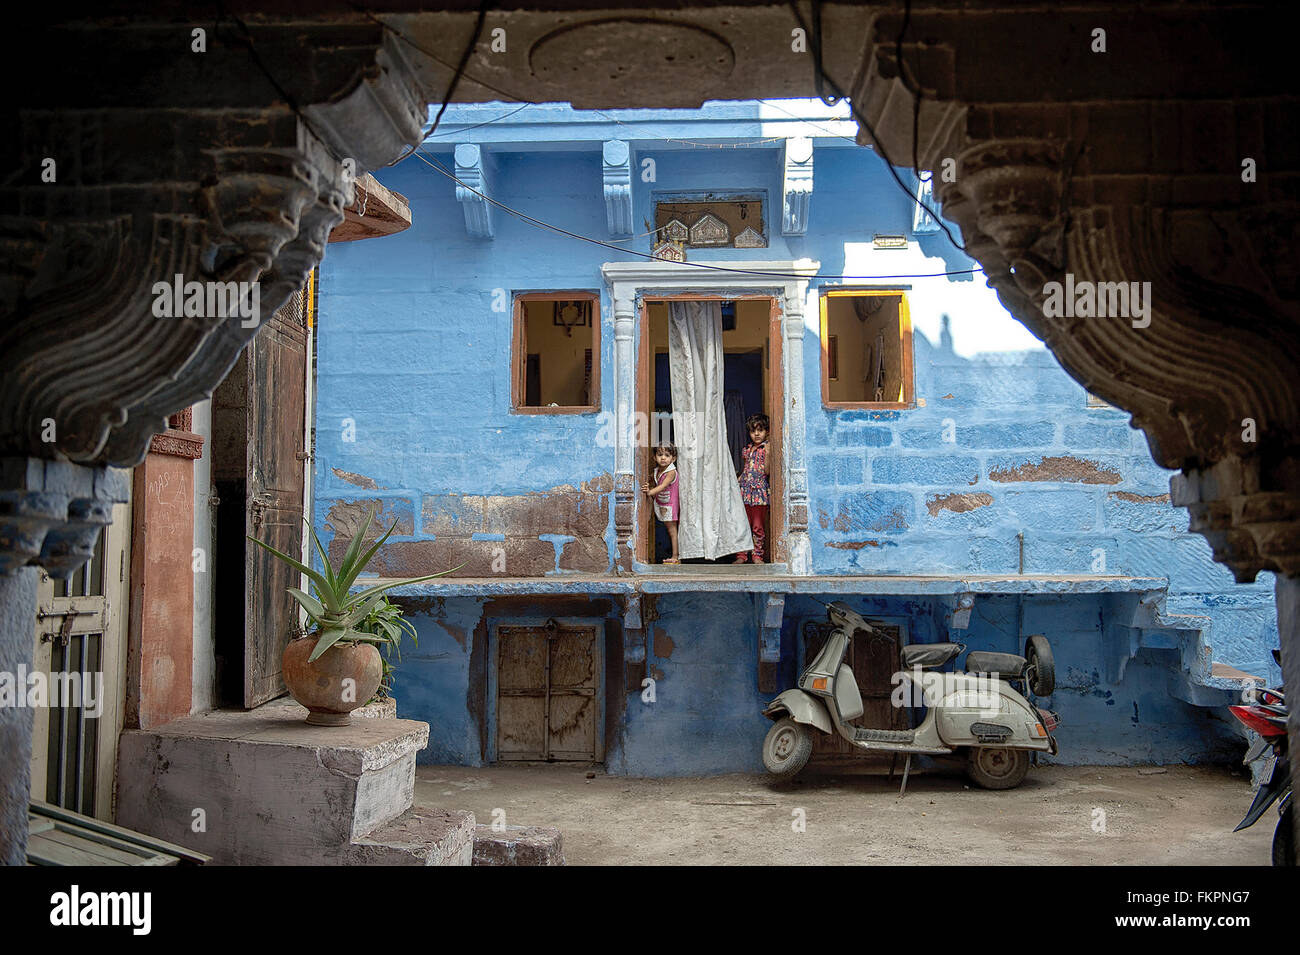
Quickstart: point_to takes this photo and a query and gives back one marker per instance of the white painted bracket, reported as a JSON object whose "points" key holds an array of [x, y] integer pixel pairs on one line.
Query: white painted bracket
{"points": [[959, 614], [471, 195], [632, 612], [797, 186], [617, 168], [771, 611], [922, 221]]}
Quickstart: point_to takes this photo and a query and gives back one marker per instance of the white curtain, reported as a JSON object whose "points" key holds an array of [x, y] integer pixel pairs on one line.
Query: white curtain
{"points": [[713, 520]]}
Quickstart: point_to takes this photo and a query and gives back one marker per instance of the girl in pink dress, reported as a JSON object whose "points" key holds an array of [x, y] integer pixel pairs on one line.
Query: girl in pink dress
{"points": [[754, 485], [664, 494]]}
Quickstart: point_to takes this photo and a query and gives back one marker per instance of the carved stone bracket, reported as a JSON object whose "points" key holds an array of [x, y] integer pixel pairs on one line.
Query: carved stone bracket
{"points": [[386, 100], [471, 195], [922, 222], [617, 175], [52, 512], [140, 272], [633, 642], [796, 186], [771, 612]]}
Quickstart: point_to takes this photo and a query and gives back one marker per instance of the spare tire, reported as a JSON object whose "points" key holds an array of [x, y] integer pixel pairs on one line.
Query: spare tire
{"points": [[1040, 674]]}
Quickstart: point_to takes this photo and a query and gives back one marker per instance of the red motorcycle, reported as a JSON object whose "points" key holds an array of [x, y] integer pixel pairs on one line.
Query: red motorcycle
{"points": [[1264, 712]]}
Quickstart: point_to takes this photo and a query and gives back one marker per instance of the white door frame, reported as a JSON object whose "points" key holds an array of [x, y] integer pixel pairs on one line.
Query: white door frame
{"points": [[628, 282]]}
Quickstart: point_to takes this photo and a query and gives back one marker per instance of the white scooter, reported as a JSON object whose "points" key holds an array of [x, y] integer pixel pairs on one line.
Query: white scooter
{"points": [[977, 711]]}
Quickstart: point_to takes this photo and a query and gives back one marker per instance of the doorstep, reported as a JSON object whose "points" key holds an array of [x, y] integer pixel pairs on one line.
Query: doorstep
{"points": [[711, 569], [263, 787]]}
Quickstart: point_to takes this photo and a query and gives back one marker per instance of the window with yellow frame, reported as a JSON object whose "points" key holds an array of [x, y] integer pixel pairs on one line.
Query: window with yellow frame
{"points": [[870, 365]]}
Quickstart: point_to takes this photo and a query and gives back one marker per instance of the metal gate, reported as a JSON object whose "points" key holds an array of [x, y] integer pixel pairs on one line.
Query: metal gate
{"points": [[548, 692], [79, 654]]}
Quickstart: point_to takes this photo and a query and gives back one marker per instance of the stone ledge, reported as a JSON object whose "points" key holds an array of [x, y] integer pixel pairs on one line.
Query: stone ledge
{"points": [[361, 746], [384, 709], [518, 845], [274, 790]]}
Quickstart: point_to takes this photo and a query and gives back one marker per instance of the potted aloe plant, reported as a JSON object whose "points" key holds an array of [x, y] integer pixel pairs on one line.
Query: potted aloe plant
{"points": [[386, 619], [336, 667]]}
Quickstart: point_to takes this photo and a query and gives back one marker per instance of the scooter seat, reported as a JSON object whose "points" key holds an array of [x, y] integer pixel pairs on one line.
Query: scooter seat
{"points": [[926, 655], [1007, 666]]}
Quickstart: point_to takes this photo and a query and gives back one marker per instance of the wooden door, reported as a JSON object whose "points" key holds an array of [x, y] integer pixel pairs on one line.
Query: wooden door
{"points": [[276, 460], [874, 661], [81, 643], [548, 693]]}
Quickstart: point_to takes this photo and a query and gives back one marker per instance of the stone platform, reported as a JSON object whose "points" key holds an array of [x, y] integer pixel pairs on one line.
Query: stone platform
{"points": [[518, 845], [263, 787]]}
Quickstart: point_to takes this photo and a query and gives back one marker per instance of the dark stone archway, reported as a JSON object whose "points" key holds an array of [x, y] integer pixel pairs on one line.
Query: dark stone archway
{"points": [[1059, 163]]}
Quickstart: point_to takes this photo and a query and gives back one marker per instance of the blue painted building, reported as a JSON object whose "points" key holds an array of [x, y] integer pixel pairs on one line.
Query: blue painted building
{"points": [[493, 376]]}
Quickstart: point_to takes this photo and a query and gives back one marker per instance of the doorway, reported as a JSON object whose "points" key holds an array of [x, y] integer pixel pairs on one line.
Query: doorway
{"points": [[260, 464], [752, 382], [548, 691]]}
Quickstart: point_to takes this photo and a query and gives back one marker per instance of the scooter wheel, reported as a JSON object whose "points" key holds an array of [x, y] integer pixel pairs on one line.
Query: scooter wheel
{"points": [[1284, 838], [787, 748], [997, 768], [1040, 670]]}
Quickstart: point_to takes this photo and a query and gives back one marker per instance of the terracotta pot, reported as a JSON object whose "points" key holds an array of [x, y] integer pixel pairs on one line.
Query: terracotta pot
{"points": [[320, 686]]}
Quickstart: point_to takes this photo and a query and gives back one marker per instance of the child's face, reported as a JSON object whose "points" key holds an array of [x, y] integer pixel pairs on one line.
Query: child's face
{"points": [[758, 434], [663, 458]]}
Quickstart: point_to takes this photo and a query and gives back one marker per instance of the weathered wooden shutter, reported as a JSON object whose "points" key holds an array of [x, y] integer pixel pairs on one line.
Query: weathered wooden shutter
{"points": [[277, 380]]}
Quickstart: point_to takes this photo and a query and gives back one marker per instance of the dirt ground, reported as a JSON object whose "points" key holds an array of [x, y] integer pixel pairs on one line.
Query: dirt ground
{"points": [[1176, 815]]}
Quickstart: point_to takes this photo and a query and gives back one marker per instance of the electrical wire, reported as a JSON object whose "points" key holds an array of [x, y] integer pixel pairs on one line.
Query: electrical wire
{"points": [[257, 61], [912, 88], [808, 122], [879, 149], [462, 129], [439, 60], [645, 255], [460, 67]]}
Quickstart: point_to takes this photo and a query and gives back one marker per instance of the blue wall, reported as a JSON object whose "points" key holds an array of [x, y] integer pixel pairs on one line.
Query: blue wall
{"points": [[706, 718], [413, 353]]}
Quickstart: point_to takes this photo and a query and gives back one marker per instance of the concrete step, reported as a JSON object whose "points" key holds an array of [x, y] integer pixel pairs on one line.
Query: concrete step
{"points": [[1230, 678], [518, 845], [419, 836]]}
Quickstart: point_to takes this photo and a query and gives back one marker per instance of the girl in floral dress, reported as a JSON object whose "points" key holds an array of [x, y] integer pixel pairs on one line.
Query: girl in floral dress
{"points": [[754, 491]]}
